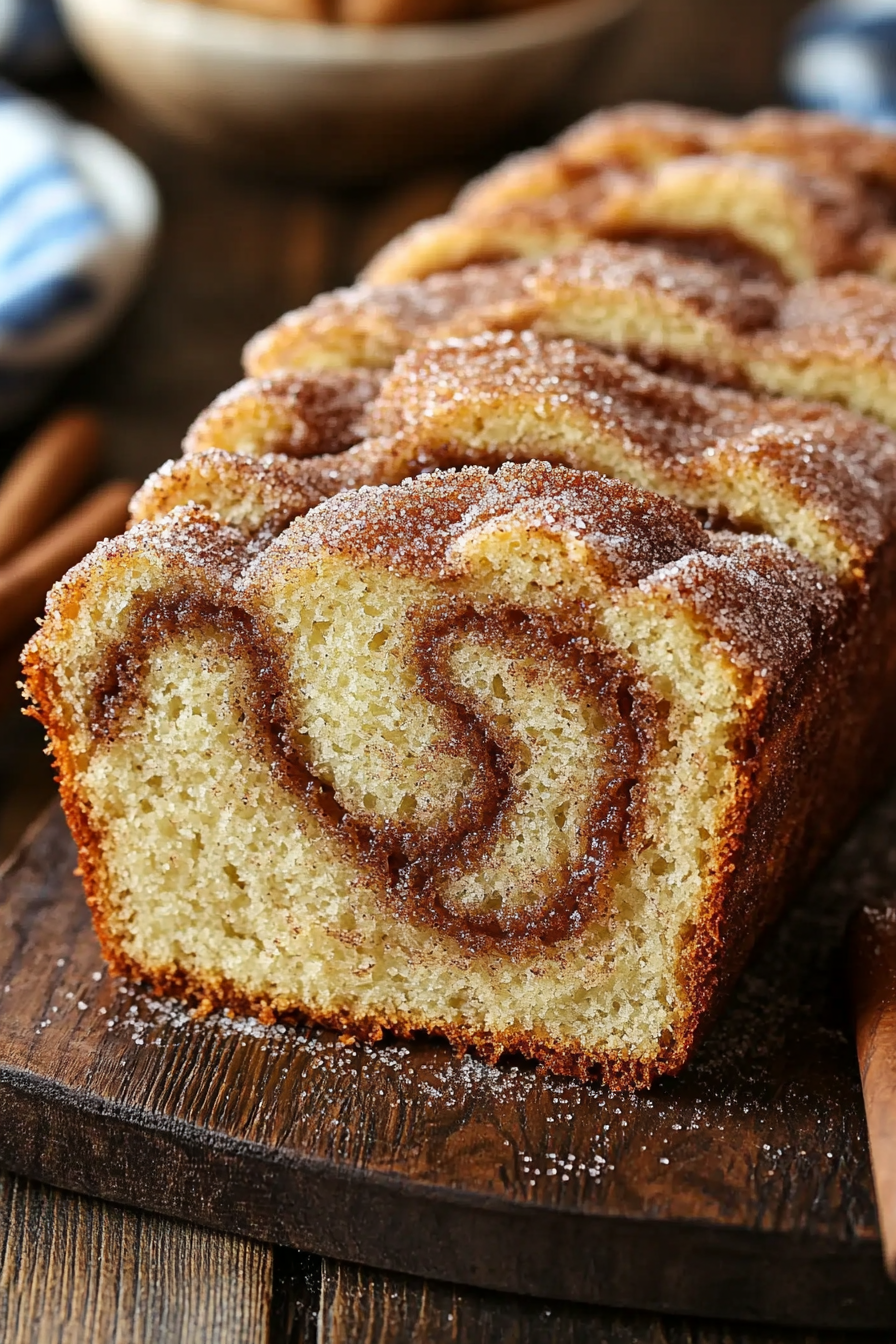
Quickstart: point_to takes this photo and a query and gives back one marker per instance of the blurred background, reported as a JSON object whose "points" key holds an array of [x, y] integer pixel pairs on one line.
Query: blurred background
{"points": [[283, 152]]}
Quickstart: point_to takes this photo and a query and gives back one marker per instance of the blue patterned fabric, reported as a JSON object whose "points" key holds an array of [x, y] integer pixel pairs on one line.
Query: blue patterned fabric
{"points": [[842, 58], [31, 37], [77, 218]]}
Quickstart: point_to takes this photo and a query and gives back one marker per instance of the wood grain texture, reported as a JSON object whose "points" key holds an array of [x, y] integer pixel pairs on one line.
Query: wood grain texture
{"points": [[76, 1271], [742, 1189], [363, 1307]]}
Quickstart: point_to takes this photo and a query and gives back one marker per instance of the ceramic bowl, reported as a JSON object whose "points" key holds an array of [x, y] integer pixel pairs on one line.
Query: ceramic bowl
{"points": [[326, 98]]}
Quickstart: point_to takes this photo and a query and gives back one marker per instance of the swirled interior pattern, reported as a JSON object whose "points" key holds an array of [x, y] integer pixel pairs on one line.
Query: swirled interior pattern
{"points": [[475, 754], [488, 791]]}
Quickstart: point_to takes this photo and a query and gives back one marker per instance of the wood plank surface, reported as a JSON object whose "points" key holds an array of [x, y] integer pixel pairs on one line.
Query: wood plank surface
{"points": [[78, 1271], [741, 1189], [363, 1307]]}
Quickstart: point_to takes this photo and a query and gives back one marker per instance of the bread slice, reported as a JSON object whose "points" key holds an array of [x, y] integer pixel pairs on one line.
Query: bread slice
{"points": [[826, 339], [804, 473], [835, 340], [644, 301], [642, 136], [821, 479], [795, 195], [290, 414], [758, 216], [369, 327], [527, 758]]}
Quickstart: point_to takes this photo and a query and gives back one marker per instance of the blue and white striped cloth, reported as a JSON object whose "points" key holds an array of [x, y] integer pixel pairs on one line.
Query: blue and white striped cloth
{"points": [[31, 37], [841, 58], [77, 219]]}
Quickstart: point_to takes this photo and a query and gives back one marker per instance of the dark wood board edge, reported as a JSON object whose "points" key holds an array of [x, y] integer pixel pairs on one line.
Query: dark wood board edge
{"points": [[359, 1306], [51, 1134]]}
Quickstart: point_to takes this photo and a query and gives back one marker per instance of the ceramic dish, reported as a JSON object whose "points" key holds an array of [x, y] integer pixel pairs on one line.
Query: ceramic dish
{"points": [[345, 102]]}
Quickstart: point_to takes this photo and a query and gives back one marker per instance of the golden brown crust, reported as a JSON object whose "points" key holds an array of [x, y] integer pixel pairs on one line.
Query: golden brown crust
{"points": [[814, 142], [530, 228], [632, 138], [852, 317], [602, 269], [368, 327], [825, 215], [673, 313], [616, 1071], [633, 537], [510, 396], [805, 225], [841, 466], [371, 325], [261, 497], [294, 414], [640, 135]]}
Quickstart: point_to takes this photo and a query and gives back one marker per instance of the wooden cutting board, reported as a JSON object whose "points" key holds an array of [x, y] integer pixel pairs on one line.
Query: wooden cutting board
{"points": [[742, 1189]]}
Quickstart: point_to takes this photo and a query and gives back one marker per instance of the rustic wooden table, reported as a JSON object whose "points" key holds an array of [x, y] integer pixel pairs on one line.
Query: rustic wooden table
{"points": [[235, 251]]}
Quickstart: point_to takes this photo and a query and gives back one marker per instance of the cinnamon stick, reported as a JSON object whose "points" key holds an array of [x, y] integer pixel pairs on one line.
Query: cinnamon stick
{"points": [[47, 474], [873, 976], [24, 580]]}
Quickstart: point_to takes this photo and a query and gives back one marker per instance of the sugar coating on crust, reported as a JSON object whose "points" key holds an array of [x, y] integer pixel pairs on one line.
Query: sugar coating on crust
{"points": [[813, 142], [368, 326], [753, 213], [806, 224], [742, 305], [643, 135], [373, 324], [291, 414], [640, 134], [812, 475], [527, 228], [832, 339], [660, 307], [765, 604], [414, 526], [852, 315], [567, 401], [257, 496]]}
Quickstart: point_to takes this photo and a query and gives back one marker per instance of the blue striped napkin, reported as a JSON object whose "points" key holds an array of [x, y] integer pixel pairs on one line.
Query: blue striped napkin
{"points": [[841, 57], [77, 218], [31, 37]]}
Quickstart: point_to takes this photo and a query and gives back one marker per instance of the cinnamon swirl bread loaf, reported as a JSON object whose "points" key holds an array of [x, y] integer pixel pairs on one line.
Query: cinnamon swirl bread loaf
{"points": [[526, 758], [527, 743]]}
